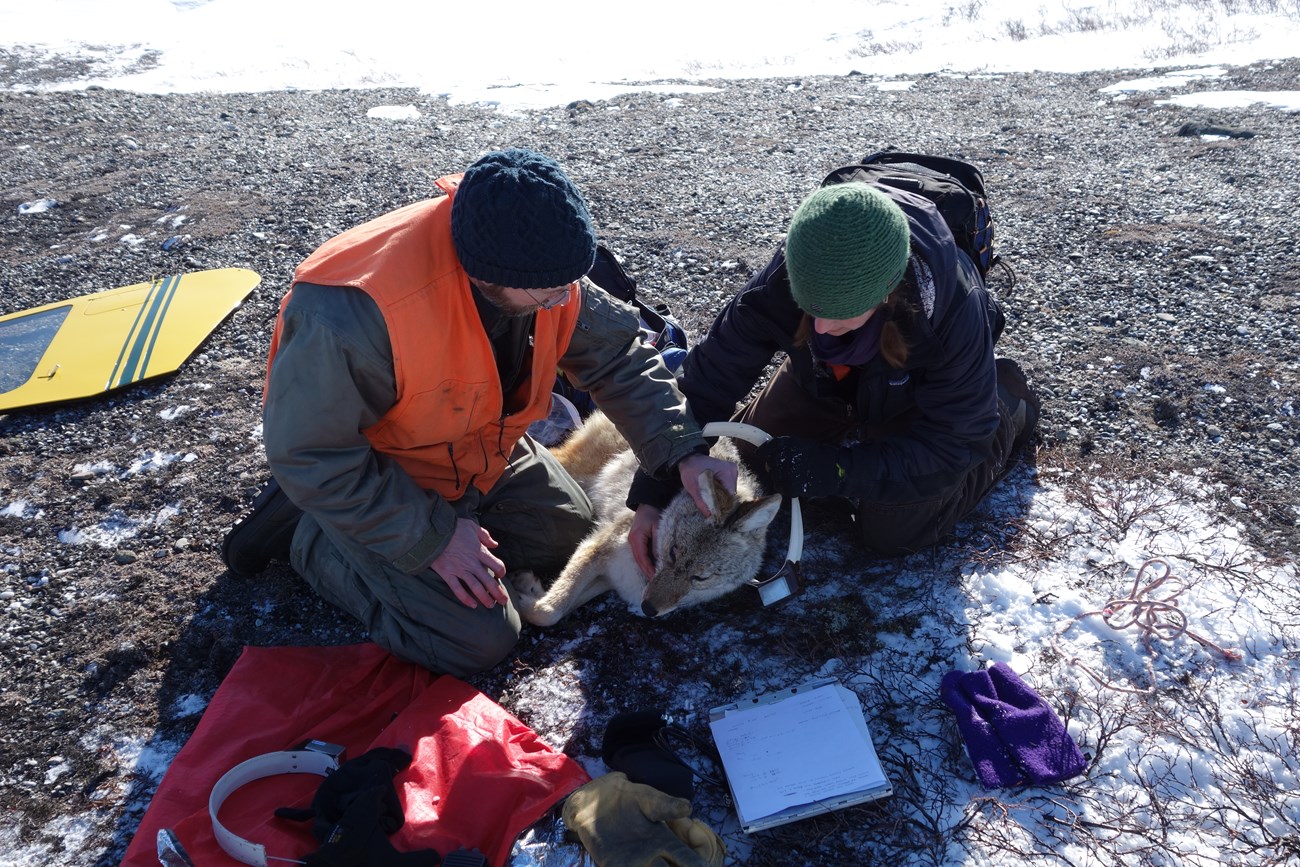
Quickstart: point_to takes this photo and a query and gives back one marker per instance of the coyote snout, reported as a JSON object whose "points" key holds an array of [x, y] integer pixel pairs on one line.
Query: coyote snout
{"points": [[697, 558]]}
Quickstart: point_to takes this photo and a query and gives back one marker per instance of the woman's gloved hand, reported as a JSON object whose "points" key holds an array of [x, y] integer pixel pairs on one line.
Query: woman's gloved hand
{"points": [[799, 467], [626, 824]]}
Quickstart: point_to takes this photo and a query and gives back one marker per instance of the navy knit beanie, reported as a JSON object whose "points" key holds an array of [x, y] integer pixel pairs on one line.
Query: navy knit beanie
{"points": [[517, 221]]}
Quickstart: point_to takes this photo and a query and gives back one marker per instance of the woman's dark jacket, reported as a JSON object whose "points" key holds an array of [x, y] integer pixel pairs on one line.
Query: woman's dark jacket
{"points": [[944, 397]]}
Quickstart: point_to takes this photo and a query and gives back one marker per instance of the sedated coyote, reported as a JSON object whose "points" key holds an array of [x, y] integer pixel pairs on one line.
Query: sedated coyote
{"points": [[696, 558]]}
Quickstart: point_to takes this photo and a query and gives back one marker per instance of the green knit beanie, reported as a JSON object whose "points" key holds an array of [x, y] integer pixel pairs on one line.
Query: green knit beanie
{"points": [[846, 250]]}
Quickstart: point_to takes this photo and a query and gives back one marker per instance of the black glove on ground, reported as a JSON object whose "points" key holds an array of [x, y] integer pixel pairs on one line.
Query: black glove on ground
{"points": [[798, 467], [354, 810]]}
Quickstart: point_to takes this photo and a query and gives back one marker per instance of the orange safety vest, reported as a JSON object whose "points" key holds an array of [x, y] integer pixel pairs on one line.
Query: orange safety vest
{"points": [[448, 428]]}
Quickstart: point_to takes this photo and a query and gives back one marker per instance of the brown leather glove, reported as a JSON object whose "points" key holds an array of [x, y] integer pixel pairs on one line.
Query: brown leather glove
{"points": [[700, 837], [626, 824]]}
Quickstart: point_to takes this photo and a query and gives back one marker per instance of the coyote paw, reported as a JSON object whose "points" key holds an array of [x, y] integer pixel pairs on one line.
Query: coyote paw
{"points": [[531, 599], [526, 584]]}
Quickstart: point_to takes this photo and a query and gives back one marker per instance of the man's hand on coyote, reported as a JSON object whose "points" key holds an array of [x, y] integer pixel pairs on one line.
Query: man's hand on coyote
{"points": [[697, 558]]}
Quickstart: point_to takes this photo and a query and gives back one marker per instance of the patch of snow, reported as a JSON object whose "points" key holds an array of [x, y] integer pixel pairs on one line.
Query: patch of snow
{"points": [[39, 206], [149, 462], [189, 705], [394, 112], [1178, 78], [21, 509]]}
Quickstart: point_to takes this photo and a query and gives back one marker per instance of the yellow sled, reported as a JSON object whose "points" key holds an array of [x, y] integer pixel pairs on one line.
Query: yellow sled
{"points": [[100, 342]]}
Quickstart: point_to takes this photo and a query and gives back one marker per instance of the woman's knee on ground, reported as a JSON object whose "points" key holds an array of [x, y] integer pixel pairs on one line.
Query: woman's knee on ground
{"points": [[903, 529]]}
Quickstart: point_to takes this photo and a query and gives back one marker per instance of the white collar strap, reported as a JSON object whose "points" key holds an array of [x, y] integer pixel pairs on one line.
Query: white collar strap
{"points": [[302, 761], [788, 580]]}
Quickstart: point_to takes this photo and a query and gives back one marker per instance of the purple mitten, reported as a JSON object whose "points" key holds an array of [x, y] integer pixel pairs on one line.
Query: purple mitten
{"points": [[992, 763], [1030, 731]]}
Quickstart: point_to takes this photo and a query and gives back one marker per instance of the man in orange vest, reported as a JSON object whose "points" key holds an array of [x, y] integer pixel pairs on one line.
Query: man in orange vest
{"points": [[408, 360]]}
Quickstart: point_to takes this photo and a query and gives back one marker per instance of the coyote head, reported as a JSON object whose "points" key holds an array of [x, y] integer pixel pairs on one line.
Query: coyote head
{"points": [[701, 558]]}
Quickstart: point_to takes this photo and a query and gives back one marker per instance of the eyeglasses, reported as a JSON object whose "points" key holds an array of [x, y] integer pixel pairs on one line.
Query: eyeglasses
{"points": [[557, 297]]}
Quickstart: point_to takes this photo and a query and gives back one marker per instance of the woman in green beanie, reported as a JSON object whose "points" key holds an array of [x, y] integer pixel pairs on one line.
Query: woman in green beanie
{"points": [[889, 394]]}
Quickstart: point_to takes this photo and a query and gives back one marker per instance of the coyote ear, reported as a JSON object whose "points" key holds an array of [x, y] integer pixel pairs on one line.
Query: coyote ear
{"points": [[752, 517], [715, 496]]}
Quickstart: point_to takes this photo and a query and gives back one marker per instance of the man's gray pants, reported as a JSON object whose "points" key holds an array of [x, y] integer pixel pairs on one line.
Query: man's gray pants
{"points": [[536, 512]]}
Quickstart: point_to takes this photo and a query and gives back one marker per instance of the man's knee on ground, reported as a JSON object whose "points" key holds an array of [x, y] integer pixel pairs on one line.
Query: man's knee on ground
{"points": [[492, 644], [464, 651]]}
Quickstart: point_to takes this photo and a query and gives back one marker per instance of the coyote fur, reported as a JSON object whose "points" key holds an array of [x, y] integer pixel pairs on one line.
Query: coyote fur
{"points": [[696, 558]]}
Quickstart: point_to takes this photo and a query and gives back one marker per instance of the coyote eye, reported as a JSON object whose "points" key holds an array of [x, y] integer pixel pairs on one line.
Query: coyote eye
{"points": [[672, 555], [697, 578]]}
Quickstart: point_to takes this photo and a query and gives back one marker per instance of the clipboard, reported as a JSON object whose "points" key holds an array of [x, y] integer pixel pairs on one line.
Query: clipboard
{"points": [[796, 753]]}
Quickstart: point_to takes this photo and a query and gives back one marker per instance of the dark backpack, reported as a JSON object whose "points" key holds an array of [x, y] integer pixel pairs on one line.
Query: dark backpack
{"points": [[956, 187], [658, 327], [657, 323]]}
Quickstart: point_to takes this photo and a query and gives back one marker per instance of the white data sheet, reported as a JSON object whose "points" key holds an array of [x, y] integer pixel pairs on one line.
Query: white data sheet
{"points": [[796, 753]]}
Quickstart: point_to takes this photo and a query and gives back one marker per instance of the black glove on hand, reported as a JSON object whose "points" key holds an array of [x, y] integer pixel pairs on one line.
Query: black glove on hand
{"points": [[798, 467], [646, 490]]}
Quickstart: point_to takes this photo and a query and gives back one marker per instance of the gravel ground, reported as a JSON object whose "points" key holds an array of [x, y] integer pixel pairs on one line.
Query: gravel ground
{"points": [[1156, 308]]}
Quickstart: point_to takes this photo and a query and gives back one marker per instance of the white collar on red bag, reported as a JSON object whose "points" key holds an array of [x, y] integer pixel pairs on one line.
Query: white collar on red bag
{"points": [[313, 757]]}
